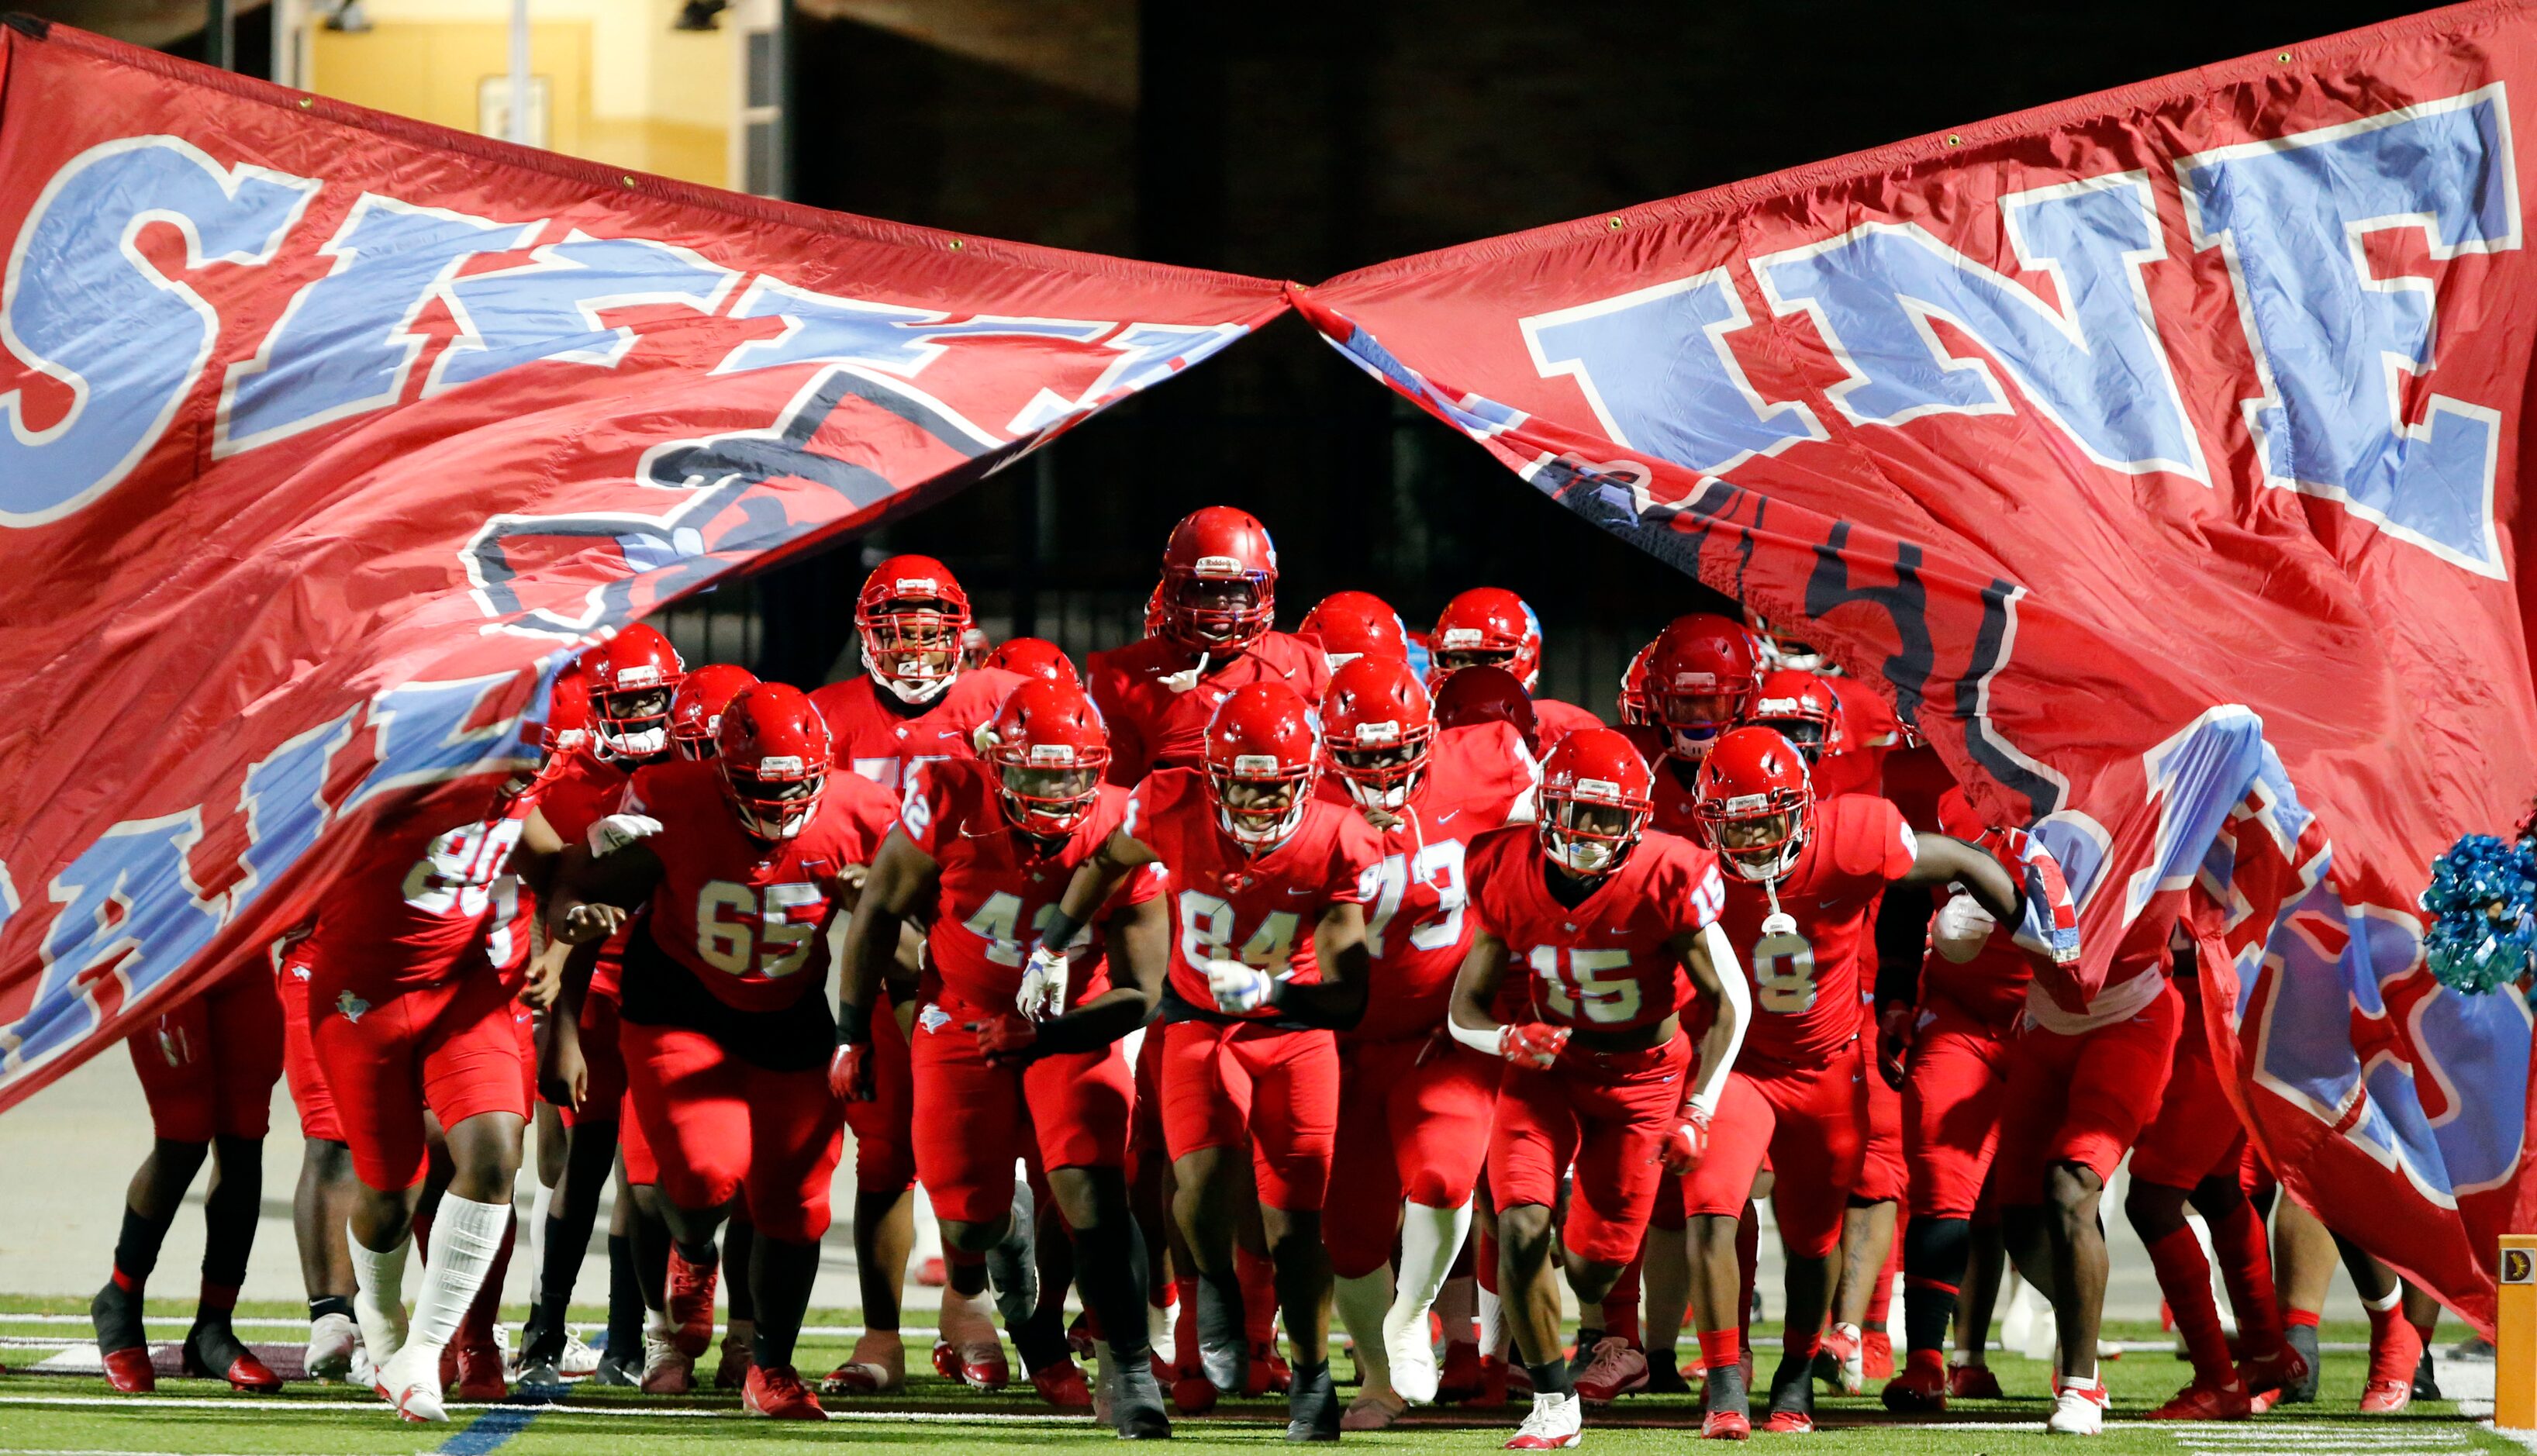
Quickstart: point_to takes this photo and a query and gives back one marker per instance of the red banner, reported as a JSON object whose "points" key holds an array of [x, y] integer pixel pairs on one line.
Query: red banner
{"points": [[2155, 453], [328, 432]]}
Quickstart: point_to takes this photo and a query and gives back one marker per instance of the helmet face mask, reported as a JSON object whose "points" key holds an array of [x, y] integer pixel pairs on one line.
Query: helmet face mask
{"points": [[1385, 777], [1756, 799], [1596, 801], [696, 710], [633, 723], [776, 801], [1260, 803], [1485, 627], [1047, 747], [1216, 611], [1048, 800], [1589, 839], [1219, 586], [912, 647]]}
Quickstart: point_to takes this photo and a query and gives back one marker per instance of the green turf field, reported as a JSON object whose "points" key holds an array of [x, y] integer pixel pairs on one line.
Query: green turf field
{"points": [[63, 1415]]}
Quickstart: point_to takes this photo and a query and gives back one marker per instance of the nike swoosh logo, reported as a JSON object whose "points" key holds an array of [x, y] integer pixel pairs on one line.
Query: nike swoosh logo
{"points": [[1441, 818]]}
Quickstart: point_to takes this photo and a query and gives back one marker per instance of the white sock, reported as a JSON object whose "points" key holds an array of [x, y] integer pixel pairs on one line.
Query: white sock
{"points": [[1457, 1306], [1492, 1320], [538, 1210], [1361, 1303], [2395, 1294], [966, 1317], [1430, 1237], [466, 1236], [378, 1296]]}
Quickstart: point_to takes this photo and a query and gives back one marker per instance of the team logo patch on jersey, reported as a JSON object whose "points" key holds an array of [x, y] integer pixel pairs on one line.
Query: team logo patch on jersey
{"points": [[933, 1018], [351, 1007]]}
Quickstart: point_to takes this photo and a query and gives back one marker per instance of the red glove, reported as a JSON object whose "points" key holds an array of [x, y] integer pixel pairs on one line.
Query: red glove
{"points": [[1894, 1028], [850, 1073], [1532, 1043], [1009, 1040], [1686, 1142]]}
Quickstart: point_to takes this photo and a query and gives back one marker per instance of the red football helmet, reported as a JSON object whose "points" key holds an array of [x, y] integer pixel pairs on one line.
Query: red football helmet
{"points": [[1699, 675], [772, 747], [1049, 747], [1154, 612], [696, 711], [1597, 798], [1377, 726], [632, 677], [1755, 799], [567, 725], [1487, 695], [1633, 700], [1355, 624], [1220, 587], [911, 616], [1259, 761], [1485, 627], [1781, 651], [1034, 657], [1801, 708]]}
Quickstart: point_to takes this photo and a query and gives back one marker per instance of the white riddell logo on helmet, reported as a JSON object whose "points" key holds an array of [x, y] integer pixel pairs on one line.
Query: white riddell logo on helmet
{"points": [[1063, 754], [1771, 706], [1598, 788], [1698, 681], [781, 764], [571, 738], [1377, 733], [646, 675], [1254, 763], [917, 586], [1462, 636], [1214, 566], [1749, 804]]}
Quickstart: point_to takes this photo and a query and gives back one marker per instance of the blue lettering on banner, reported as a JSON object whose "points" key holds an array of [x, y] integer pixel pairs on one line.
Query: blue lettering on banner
{"points": [[1655, 368], [131, 913], [284, 805], [344, 342], [423, 737], [87, 308], [549, 309], [2092, 363], [2335, 343]]}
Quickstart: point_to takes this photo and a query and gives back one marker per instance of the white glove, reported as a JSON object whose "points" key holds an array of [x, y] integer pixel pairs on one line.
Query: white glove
{"points": [[617, 831], [1043, 991], [1961, 927], [1239, 988]]}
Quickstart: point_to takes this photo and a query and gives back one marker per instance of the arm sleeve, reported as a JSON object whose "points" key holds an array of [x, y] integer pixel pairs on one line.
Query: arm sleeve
{"points": [[1902, 936]]}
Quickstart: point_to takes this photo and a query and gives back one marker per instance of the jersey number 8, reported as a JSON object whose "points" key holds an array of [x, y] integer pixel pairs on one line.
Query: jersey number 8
{"points": [[1784, 974], [1207, 935]]}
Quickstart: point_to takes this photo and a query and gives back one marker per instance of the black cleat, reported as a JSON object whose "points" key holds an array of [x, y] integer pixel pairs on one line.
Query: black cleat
{"points": [[1224, 1346], [2427, 1381], [1587, 1339], [1665, 1378], [1312, 1406], [2303, 1391], [1136, 1404]]}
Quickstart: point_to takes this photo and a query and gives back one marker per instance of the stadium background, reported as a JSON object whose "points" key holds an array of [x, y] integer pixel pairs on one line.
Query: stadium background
{"points": [[1300, 141]]}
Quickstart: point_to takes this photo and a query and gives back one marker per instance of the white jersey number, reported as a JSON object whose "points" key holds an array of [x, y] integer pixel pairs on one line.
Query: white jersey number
{"points": [[1579, 981], [1207, 935], [1386, 883], [761, 936], [457, 873], [998, 924], [1784, 974]]}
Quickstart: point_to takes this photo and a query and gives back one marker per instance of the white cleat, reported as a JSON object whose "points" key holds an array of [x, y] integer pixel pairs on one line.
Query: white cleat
{"points": [[1412, 1359], [411, 1382], [1159, 1320], [578, 1360], [2077, 1412], [333, 1341], [1557, 1423], [666, 1371]]}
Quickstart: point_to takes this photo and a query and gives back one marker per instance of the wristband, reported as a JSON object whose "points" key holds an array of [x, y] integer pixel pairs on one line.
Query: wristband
{"points": [[1059, 931], [1482, 1041], [854, 1024]]}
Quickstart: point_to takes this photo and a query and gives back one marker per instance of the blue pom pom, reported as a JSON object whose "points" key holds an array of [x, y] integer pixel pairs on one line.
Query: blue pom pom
{"points": [[2482, 902]]}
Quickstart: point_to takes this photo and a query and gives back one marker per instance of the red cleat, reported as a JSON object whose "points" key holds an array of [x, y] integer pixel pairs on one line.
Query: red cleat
{"points": [[1459, 1378], [691, 1304], [777, 1393], [1785, 1423], [1269, 1374], [1918, 1391], [934, 1274], [213, 1353], [2385, 1396], [1063, 1386], [1876, 1353], [480, 1372], [128, 1371], [1972, 1383], [1193, 1394], [2270, 1375], [2206, 1402], [1726, 1425], [1494, 1382]]}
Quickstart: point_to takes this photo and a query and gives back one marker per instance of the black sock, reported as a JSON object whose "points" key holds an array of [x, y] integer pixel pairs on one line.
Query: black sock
{"points": [[1936, 1252], [1550, 1377], [230, 1208], [780, 1274], [966, 1278], [1727, 1389], [135, 1250], [1110, 1269], [625, 1303], [739, 1242], [319, 1308], [1219, 1309]]}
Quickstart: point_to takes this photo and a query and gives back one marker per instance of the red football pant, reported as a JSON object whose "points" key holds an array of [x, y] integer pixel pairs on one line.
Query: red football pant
{"points": [[723, 1126], [2083, 1099], [2196, 1132], [973, 1120], [1417, 1130], [1952, 1091], [308, 1089], [603, 1052], [1146, 1118], [449, 1047], [1606, 1114], [208, 1066], [1883, 1175], [884, 1153], [1810, 1123], [1226, 1085]]}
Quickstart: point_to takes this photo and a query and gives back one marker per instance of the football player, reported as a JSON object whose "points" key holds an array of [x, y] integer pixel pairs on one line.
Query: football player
{"points": [[1606, 924], [1408, 1157], [722, 1022], [1949, 1042], [1212, 632], [915, 703], [1268, 955], [1016, 1055], [323, 1200], [1478, 695], [1492, 627], [1806, 875], [1353, 625], [1034, 657], [1699, 682], [206, 1069]]}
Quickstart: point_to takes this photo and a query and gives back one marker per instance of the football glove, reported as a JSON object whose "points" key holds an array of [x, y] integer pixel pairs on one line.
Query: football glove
{"points": [[1686, 1142], [1043, 990], [1895, 1025], [614, 831], [1239, 988], [1532, 1043], [1961, 928], [850, 1073], [1007, 1040]]}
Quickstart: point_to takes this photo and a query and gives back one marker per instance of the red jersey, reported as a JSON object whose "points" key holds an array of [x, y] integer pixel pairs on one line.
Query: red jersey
{"points": [[1806, 986], [583, 790], [1415, 931], [417, 905], [1231, 905], [744, 916], [874, 734], [1872, 731], [994, 895], [1157, 712], [1608, 964], [1554, 720], [1990, 988]]}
